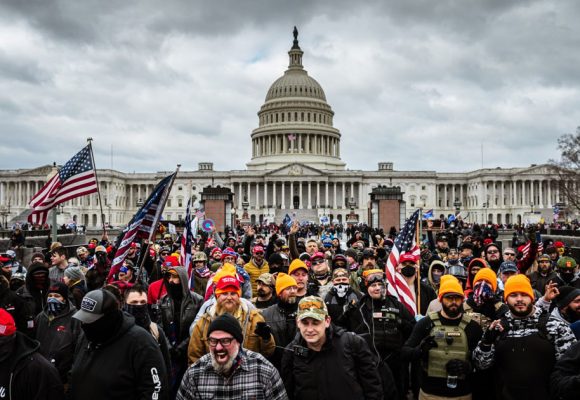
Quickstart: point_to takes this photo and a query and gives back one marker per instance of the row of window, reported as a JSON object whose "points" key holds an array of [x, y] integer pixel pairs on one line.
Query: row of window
{"points": [[271, 118], [302, 90]]}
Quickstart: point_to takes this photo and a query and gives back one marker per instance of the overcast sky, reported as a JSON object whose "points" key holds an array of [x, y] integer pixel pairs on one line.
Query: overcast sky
{"points": [[420, 83]]}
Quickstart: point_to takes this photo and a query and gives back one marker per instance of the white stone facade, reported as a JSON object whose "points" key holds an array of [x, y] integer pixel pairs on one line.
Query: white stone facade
{"points": [[296, 168]]}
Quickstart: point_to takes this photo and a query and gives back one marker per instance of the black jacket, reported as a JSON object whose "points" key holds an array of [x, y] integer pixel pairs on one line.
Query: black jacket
{"points": [[34, 298], [14, 304], [129, 366], [343, 369], [31, 376], [565, 382], [58, 338], [282, 321]]}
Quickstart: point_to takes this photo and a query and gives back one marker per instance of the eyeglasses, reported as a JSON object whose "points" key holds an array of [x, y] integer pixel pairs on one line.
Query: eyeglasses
{"points": [[492, 252], [223, 341], [164, 254], [509, 254], [317, 262]]}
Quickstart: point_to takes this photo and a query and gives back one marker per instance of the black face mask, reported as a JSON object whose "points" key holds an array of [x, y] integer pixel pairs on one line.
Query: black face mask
{"points": [[105, 328], [6, 346], [175, 290], [408, 271], [140, 313]]}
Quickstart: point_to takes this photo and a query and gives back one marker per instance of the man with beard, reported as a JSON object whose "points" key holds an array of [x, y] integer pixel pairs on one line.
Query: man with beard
{"points": [[384, 322], [281, 317], [136, 305], [543, 275], [299, 271], [115, 358], [257, 335], [492, 255], [320, 279], [265, 293], [567, 305], [523, 345], [441, 248], [567, 274], [256, 267], [97, 273], [229, 371], [368, 262], [178, 308], [341, 296], [444, 342]]}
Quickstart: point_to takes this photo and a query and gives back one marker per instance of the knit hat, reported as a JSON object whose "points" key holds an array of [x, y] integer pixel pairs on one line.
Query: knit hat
{"points": [[450, 286], [518, 284], [480, 262], [214, 250], [566, 263], [486, 274], [38, 254], [566, 296], [74, 274], [229, 324], [295, 265], [229, 252], [226, 270], [60, 288], [228, 284], [7, 325], [284, 281]]}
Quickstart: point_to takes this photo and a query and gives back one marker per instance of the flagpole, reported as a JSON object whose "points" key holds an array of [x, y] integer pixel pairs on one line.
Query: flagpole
{"points": [[90, 141], [162, 202], [418, 231]]}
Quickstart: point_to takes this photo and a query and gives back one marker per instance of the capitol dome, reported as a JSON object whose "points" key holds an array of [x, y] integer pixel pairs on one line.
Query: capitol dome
{"points": [[295, 122]]}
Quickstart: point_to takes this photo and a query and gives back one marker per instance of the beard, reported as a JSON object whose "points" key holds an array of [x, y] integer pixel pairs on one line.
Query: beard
{"points": [[524, 313], [223, 368], [453, 312], [229, 306], [262, 293]]}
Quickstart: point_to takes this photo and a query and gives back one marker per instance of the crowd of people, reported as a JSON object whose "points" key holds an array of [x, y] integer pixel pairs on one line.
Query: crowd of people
{"points": [[294, 312]]}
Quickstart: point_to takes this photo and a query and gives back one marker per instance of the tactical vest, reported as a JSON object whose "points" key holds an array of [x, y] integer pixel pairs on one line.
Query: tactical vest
{"points": [[481, 319], [387, 327], [451, 344]]}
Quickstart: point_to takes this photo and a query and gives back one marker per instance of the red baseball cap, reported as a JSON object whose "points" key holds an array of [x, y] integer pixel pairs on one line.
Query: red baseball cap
{"points": [[318, 254], [258, 249], [407, 258], [171, 261], [228, 283], [7, 326]]}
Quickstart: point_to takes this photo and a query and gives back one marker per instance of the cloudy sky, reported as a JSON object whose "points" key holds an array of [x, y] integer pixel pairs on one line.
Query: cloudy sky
{"points": [[421, 83]]}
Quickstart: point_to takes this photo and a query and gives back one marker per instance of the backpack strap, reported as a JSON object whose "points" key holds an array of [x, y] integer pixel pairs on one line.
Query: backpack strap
{"points": [[434, 317], [465, 320]]}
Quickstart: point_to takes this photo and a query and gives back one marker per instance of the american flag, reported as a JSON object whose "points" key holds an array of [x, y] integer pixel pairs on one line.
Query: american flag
{"points": [[142, 225], [526, 249], [291, 137], [186, 239], [405, 242], [75, 179]]}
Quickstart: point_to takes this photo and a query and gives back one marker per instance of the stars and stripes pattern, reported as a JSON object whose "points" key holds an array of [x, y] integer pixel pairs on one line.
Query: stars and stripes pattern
{"points": [[75, 179], [526, 249], [186, 240], [144, 221], [405, 242]]}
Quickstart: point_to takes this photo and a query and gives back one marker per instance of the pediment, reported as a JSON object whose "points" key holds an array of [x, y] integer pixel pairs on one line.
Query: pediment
{"points": [[295, 169], [43, 171], [542, 169]]}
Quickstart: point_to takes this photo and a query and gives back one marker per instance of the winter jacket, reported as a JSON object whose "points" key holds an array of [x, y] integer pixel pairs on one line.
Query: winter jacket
{"points": [[31, 376], [34, 298], [343, 369], [190, 304], [565, 380], [282, 320], [76, 293], [254, 271], [57, 338], [128, 366], [14, 304], [540, 281], [248, 319]]}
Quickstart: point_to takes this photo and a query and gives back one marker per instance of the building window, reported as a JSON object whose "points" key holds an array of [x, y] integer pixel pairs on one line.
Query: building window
{"points": [[180, 187], [423, 187], [180, 202], [169, 202]]}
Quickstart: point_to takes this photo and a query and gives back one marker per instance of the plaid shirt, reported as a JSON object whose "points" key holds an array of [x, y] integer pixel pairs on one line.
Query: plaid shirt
{"points": [[253, 378]]}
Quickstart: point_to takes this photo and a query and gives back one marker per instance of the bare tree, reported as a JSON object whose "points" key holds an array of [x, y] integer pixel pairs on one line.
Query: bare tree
{"points": [[568, 169]]}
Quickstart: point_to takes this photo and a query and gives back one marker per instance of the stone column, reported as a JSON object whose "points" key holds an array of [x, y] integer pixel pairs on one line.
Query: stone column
{"points": [[334, 203], [326, 194], [274, 203], [300, 204], [291, 194], [445, 196], [549, 183], [317, 194], [309, 195], [257, 196], [265, 194], [541, 189], [343, 202], [283, 195], [532, 194]]}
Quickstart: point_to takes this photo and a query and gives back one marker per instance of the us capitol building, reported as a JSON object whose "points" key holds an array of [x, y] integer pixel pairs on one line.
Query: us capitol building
{"points": [[296, 169]]}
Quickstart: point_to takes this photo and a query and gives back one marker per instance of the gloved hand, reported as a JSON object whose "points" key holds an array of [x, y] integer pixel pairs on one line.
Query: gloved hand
{"points": [[427, 344], [492, 333], [263, 330], [457, 367]]}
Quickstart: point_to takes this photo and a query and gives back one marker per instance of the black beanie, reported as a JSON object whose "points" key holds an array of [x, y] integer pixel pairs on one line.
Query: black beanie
{"points": [[567, 294], [60, 288], [229, 324]]}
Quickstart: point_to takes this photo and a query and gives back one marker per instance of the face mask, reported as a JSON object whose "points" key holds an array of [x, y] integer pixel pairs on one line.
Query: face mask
{"points": [[6, 346], [341, 289], [140, 313], [54, 305], [408, 271], [436, 278], [103, 329]]}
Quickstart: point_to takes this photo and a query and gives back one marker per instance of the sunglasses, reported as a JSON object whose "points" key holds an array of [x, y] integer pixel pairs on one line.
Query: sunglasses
{"points": [[223, 341], [509, 254], [317, 262], [492, 252]]}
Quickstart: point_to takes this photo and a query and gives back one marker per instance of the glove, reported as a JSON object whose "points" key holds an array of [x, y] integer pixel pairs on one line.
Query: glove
{"points": [[490, 336], [263, 330], [457, 367], [427, 344]]}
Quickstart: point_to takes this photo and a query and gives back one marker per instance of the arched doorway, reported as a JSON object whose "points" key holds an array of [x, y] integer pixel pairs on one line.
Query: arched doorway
{"points": [[296, 202], [499, 218], [253, 219], [519, 219]]}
